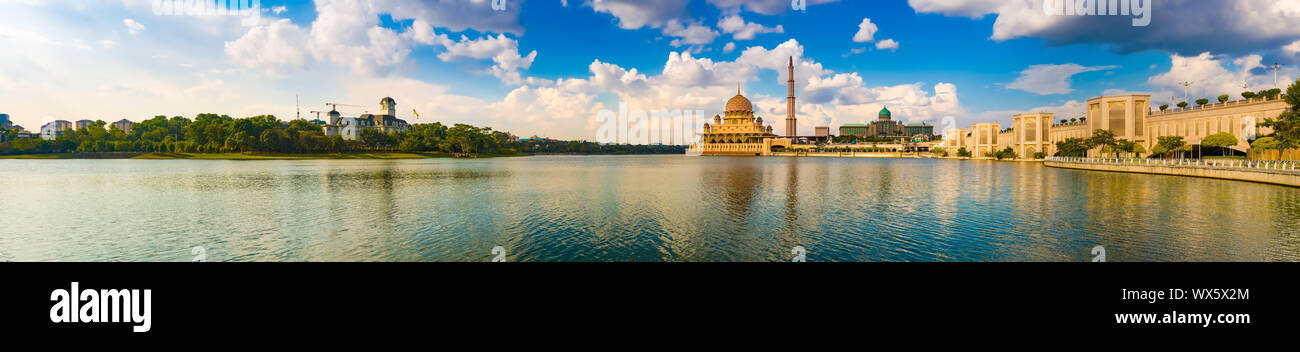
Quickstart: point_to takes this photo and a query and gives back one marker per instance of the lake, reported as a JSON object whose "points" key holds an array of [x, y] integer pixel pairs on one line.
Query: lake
{"points": [[630, 208]]}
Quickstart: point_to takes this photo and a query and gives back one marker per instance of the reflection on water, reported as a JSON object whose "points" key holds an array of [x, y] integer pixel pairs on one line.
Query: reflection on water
{"points": [[630, 208]]}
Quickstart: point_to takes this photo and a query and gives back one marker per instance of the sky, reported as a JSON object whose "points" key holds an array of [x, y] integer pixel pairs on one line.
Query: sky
{"points": [[548, 67]]}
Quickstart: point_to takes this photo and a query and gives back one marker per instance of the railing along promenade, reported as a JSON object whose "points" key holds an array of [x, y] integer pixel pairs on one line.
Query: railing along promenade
{"points": [[1285, 172], [1246, 165]]}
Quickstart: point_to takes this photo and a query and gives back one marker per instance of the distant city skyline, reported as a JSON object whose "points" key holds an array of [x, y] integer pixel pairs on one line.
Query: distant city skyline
{"points": [[546, 67]]}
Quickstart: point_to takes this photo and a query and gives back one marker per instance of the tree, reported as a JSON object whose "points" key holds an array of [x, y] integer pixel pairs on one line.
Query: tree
{"points": [[963, 153], [1137, 149], [1125, 146], [1074, 119], [1182, 105], [1286, 127], [939, 151], [1248, 95], [1164, 107], [1170, 144], [1202, 101], [1063, 121], [1102, 138], [1223, 98], [1077, 147], [1007, 153], [1220, 140], [1159, 150], [1266, 143]]}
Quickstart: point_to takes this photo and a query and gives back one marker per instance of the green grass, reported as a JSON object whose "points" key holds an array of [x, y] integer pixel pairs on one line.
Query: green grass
{"points": [[278, 156], [40, 156], [268, 156]]}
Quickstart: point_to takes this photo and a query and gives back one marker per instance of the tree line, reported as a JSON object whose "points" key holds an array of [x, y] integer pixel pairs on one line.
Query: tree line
{"points": [[212, 133]]}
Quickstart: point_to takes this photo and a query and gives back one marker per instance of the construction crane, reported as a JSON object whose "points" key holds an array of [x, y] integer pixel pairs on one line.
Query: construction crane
{"points": [[334, 106], [315, 112]]}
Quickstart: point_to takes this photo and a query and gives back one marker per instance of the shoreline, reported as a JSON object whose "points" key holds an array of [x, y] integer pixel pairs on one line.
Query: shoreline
{"points": [[252, 156], [1262, 176]]}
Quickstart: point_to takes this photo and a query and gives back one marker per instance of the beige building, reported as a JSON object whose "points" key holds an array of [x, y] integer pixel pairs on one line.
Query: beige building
{"points": [[983, 138], [1128, 117], [1237, 117], [955, 138]]}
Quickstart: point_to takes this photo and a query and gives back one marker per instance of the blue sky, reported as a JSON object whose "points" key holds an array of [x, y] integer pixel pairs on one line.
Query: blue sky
{"points": [[546, 67]]}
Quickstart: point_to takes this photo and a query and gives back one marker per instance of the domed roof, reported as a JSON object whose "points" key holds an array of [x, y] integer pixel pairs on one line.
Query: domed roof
{"points": [[739, 103], [387, 100], [884, 113]]}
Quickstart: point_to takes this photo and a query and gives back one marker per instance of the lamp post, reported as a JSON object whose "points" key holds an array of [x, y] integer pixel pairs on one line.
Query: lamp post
{"points": [[1275, 67], [1186, 86]]}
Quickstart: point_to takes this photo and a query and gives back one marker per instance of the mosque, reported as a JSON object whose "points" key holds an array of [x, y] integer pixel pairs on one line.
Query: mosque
{"points": [[739, 132]]}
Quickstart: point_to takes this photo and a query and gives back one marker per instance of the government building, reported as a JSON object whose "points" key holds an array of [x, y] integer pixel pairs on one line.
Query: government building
{"points": [[1129, 117], [886, 127]]}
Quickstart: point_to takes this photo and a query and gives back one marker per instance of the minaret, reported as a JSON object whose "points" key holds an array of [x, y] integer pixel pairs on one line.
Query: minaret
{"points": [[790, 129]]}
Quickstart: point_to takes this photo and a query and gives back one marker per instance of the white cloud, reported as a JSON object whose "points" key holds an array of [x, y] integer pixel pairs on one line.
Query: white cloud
{"points": [[1293, 49], [278, 9], [690, 34], [274, 47], [887, 44], [107, 44], [1066, 110], [634, 14], [1051, 79], [727, 49], [1211, 76], [766, 7], [826, 98], [866, 31], [741, 30], [132, 26], [1176, 26], [503, 51], [958, 8]]}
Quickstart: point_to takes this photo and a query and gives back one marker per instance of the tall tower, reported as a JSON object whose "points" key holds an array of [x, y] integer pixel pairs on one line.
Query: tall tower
{"points": [[790, 126]]}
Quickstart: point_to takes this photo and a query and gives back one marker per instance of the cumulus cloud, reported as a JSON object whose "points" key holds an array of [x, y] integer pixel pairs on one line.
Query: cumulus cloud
{"points": [[634, 14], [826, 98], [274, 47], [866, 31], [1292, 49], [887, 44], [766, 7], [727, 49], [1066, 110], [1211, 76], [1051, 79], [691, 33], [1180, 27], [132, 26], [741, 30]]}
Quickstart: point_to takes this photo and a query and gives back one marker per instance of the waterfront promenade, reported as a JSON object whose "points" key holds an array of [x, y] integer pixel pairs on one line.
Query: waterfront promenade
{"points": [[1286, 173]]}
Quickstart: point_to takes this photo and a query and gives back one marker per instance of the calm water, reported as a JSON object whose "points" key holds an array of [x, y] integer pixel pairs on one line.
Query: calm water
{"points": [[630, 208]]}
